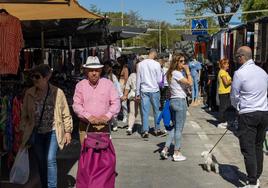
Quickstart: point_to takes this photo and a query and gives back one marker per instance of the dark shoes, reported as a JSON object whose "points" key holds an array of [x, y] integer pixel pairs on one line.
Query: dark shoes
{"points": [[160, 133], [145, 135]]}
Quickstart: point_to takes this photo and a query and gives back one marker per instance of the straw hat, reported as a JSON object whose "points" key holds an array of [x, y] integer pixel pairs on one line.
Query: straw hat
{"points": [[93, 62]]}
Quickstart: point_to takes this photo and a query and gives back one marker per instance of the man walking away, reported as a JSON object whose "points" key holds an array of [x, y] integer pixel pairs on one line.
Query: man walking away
{"points": [[149, 76], [249, 97]]}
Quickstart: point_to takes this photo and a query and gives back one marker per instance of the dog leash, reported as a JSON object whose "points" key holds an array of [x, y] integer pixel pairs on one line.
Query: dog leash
{"points": [[218, 141]]}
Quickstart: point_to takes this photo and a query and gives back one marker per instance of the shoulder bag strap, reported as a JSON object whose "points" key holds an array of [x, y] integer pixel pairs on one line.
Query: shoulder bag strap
{"points": [[43, 108]]}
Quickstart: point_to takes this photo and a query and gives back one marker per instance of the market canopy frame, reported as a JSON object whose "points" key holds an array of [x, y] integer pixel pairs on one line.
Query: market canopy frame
{"points": [[27, 10]]}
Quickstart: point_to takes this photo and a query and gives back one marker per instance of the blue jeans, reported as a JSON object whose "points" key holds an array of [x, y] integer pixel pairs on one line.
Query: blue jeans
{"points": [[195, 88], [45, 149], [148, 98], [178, 109]]}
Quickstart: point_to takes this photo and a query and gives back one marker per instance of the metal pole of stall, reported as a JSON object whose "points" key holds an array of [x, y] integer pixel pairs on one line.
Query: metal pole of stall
{"points": [[43, 45], [70, 43]]}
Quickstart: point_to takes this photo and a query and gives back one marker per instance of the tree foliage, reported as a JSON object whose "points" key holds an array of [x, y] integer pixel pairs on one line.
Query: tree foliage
{"points": [[151, 39], [249, 5], [199, 7]]}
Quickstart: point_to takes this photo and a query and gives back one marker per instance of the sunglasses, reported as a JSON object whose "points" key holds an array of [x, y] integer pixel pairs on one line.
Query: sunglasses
{"points": [[36, 76], [182, 61], [240, 55]]}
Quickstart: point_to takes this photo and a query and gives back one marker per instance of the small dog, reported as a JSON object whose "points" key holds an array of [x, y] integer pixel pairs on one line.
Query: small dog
{"points": [[210, 162]]}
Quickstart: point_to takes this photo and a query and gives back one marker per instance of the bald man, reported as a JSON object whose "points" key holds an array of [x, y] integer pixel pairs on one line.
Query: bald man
{"points": [[249, 97], [149, 75]]}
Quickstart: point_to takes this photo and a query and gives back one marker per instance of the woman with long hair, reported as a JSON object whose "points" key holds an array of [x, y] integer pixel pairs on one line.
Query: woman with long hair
{"points": [[224, 89], [108, 73], [179, 78], [129, 94]]}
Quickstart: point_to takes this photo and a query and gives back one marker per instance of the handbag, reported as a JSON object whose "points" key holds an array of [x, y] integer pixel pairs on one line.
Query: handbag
{"points": [[97, 141], [32, 138], [96, 167]]}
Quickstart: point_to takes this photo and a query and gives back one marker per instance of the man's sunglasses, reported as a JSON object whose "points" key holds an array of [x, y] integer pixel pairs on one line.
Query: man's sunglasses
{"points": [[239, 55], [36, 76]]}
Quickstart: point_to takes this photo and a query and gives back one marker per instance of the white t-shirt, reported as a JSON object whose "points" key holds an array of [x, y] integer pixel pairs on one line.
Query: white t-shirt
{"points": [[177, 89], [117, 85], [164, 72], [149, 76]]}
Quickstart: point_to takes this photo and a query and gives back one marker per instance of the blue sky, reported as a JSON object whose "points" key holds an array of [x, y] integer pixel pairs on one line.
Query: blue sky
{"points": [[148, 9]]}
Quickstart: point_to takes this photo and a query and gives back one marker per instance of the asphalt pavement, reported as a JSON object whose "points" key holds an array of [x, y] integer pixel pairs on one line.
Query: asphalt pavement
{"points": [[139, 164]]}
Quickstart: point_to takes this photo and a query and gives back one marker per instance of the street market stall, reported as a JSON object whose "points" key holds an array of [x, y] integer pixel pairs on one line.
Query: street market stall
{"points": [[19, 21]]}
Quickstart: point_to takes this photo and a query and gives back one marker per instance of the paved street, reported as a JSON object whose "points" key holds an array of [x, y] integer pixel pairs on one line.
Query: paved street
{"points": [[139, 164]]}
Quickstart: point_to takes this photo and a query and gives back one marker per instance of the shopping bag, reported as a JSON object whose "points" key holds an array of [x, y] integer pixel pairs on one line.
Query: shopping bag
{"points": [[96, 167], [20, 170]]}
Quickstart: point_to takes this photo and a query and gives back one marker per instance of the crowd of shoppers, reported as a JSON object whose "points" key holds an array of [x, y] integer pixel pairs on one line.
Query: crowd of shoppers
{"points": [[153, 82]]}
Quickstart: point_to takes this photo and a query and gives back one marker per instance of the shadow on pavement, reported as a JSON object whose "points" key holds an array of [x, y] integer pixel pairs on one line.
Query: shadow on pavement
{"points": [[161, 146], [229, 173], [232, 174], [66, 159], [213, 122]]}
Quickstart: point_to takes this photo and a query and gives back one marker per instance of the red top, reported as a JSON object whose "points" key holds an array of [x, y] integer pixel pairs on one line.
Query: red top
{"points": [[11, 41]]}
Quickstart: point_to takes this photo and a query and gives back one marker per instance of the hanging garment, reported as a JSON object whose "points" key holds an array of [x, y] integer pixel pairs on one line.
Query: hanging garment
{"points": [[3, 113], [16, 110], [9, 128], [11, 42]]}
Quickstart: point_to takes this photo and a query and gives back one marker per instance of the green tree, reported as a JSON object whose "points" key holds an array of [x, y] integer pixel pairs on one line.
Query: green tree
{"points": [[95, 9], [151, 39], [199, 7], [249, 5]]}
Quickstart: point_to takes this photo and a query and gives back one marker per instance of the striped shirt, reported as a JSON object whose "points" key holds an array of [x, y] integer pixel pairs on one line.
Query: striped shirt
{"points": [[11, 43]]}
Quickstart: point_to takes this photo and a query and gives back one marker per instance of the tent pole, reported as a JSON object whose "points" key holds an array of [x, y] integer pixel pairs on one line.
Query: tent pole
{"points": [[70, 43], [43, 45]]}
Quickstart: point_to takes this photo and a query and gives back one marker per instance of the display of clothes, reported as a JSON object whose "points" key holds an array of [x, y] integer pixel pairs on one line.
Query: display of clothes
{"points": [[62, 61], [10, 125], [200, 51], [195, 67], [11, 42]]}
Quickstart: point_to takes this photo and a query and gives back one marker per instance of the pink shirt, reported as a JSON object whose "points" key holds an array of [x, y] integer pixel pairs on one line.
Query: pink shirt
{"points": [[102, 99]]}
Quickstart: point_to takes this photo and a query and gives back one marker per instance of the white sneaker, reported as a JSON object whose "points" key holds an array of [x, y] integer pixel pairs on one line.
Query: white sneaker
{"points": [[258, 183], [163, 154], [249, 186], [124, 120], [222, 125], [115, 128], [188, 113], [253, 186], [179, 157], [129, 131]]}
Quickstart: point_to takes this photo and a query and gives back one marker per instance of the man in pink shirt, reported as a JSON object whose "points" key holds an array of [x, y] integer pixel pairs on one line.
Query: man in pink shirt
{"points": [[95, 100]]}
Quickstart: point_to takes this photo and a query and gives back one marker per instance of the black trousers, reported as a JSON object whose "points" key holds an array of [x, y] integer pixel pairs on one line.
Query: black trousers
{"points": [[225, 103], [251, 133]]}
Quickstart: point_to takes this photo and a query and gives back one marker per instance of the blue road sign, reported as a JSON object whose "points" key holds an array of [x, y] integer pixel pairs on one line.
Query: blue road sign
{"points": [[199, 27]]}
